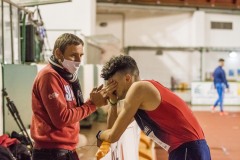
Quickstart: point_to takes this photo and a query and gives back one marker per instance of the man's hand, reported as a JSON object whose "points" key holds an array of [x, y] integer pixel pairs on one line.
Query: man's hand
{"points": [[110, 91], [97, 97], [103, 150]]}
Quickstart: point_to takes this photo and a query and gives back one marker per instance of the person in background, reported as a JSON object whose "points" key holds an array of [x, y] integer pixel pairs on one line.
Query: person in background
{"points": [[220, 83], [57, 102], [160, 113]]}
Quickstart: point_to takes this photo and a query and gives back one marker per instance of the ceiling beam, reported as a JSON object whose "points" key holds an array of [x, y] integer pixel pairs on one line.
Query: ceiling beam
{"points": [[216, 4]]}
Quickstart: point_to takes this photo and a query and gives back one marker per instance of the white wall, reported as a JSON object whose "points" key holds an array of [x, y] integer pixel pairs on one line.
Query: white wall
{"points": [[70, 15], [114, 25], [148, 28], [179, 29], [88, 80], [223, 37], [143, 28], [161, 29], [198, 28], [76, 17], [160, 67]]}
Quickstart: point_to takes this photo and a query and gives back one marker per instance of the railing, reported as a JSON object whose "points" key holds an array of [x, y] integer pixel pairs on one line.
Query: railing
{"points": [[127, 146]]}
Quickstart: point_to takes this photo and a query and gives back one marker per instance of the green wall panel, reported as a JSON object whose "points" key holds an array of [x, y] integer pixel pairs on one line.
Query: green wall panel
{"points": [[18, 81]]}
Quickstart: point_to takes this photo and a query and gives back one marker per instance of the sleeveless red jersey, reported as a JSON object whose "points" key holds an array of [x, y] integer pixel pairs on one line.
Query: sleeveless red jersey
{"points": [[172, 123]]}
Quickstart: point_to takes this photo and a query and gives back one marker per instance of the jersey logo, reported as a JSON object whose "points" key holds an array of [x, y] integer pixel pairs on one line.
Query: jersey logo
{"points": [[69, 93], [53, 95], [147, 130], [158, 141], [151, 135]]}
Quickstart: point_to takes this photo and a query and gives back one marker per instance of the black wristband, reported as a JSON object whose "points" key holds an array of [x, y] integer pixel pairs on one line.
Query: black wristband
{"points": [[98, 135], [113, 104]]}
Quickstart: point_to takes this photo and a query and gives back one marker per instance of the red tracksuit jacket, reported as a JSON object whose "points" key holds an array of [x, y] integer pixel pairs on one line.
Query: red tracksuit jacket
{"points": [[55, 120]]}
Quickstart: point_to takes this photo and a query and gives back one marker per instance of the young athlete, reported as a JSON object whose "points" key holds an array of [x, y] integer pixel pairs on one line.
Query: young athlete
{"points": [[161, 114]]}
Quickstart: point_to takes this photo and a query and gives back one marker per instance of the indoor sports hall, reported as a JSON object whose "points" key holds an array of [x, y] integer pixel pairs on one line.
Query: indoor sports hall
{"points": [[68, 95]]}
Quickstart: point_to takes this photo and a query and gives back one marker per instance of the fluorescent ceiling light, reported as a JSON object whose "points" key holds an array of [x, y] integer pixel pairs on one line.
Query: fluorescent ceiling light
{"points": [[233, 54]]}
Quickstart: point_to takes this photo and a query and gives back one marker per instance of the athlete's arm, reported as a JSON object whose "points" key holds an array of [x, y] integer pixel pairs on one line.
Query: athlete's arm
{"points": [[112, 115]]}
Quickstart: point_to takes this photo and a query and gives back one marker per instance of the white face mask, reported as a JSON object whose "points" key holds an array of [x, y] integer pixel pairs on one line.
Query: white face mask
{"points": [[71, 66]]}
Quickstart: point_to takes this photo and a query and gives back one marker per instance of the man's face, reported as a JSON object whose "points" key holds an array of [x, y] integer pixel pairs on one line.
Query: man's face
{"points": [[123, 84], [73, 53], [221, 63]]}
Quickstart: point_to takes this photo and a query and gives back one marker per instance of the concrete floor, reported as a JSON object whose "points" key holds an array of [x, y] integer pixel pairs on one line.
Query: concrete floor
{"points": [[221, 134]]}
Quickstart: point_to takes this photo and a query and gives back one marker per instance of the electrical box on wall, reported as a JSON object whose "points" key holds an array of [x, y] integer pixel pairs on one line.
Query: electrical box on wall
{"points": [[30, 50]]}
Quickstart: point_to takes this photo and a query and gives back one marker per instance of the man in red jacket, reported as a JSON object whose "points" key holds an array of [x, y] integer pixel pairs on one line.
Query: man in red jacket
{"points": [[160, 113], [57, 102]]}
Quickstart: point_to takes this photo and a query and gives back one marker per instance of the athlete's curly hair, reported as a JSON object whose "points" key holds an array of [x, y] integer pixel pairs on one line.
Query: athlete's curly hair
{"points": [[122, 63]]}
